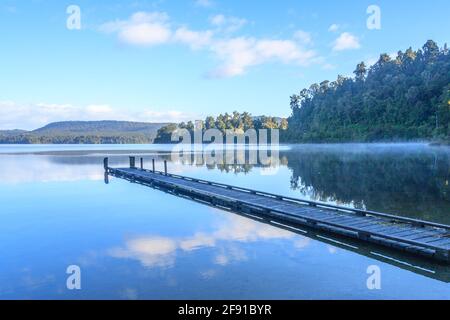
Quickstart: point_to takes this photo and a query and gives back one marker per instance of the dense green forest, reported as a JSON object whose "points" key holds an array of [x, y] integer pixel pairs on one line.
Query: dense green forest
{"points": [[402, 98], [80, 132], [237, 122]]}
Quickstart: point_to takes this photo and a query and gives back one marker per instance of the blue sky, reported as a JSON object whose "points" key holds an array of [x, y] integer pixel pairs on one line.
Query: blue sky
{"points": [[179, 60]]}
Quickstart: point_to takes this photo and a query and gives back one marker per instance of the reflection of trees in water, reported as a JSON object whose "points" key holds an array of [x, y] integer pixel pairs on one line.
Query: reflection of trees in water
{"points": [[244, 168], [416, 184], [411, 182], [233, 168]]}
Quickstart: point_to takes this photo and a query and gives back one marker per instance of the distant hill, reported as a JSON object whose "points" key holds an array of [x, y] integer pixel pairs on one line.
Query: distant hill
{"points": [[89, 132], [11, 132], [98, 126]]}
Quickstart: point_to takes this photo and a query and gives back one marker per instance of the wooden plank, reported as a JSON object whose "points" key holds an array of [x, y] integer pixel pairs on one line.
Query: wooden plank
{"points": [[443, 243], [409, 231], [416, 236], [379, 228], [341, 221], [367, 223], [391, 231], [428, 239]]}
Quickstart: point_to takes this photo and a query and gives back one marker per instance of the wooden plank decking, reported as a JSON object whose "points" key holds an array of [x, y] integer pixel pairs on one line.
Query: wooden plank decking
{"points": [[419, 237]]}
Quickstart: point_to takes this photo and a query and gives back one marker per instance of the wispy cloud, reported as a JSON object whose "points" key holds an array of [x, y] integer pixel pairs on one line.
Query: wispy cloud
{"points": [[204, 3], [227, 24], [238, 54], [31, 116], [303, 36], [194, 39], [142, 28], [334, 27], [235, 54], [346, 41]]}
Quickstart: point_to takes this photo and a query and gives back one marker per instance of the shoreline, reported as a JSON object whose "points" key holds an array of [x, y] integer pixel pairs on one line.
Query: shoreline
{"points": [[167, 149]]}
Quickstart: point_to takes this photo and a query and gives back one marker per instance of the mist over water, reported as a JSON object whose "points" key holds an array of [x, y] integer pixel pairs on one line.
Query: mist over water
{"points": [[135, 242]]}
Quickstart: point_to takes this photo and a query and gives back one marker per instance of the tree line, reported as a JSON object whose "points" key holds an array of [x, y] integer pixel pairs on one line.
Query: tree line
{"points": [[30, 138], [236, 122], [406, 97]]}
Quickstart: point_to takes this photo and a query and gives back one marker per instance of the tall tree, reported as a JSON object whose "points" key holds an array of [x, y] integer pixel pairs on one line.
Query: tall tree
{"points": [[360, 71], [395, 99]]}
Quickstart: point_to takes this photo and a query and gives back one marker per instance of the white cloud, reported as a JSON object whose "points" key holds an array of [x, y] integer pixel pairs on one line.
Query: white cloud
{"points": [[238, 54], [227, 24], [333, 28], [145, 34], [346, 41], [99, 109], [142, 28], [194, 39], [217, 20], [204, 3], [31, 116], [303, 37], [163, 116]]}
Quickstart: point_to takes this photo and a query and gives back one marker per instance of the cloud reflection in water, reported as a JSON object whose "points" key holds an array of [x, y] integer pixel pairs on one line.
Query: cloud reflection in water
{"points": [[157, 251]]}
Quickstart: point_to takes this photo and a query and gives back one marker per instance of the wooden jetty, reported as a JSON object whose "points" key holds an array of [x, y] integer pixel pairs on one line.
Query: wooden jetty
{"points": [[423, 238]]}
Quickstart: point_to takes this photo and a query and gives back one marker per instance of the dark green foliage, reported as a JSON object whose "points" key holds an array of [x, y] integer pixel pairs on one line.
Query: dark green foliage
{"points": [[164, 134], [406, 98], [394, 180], [89, 132], [237, 122]]}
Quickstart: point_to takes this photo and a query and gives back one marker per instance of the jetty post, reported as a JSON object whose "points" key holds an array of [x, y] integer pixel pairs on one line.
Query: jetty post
{"points": [[133, 162], [165, 167], [153, 165], [142, 163]]}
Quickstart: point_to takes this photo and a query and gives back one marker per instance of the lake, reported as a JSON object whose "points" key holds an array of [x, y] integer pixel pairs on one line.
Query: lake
{"points": [[134, 242]]}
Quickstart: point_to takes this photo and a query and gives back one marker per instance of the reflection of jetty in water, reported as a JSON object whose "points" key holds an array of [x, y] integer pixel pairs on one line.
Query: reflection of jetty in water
{"points": [[423, 267], [185, 187]]}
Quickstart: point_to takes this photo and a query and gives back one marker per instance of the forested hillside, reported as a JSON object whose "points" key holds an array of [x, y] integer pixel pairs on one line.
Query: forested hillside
{"points": [[92, 132], [402, 98]]}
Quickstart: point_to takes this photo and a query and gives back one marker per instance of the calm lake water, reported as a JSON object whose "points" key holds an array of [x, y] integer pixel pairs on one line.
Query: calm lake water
{"points": [[133, 242]]}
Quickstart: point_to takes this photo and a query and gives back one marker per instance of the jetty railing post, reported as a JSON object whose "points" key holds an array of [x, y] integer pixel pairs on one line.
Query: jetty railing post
{"points": [[142, 163], [165, 167], [132, 162], [105, 164], [153, 165]]}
